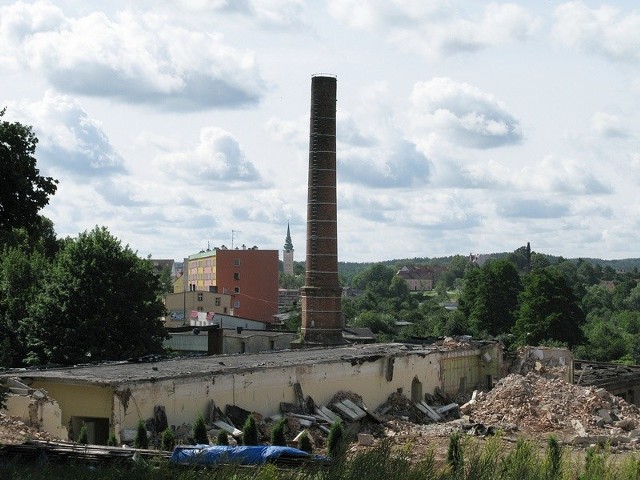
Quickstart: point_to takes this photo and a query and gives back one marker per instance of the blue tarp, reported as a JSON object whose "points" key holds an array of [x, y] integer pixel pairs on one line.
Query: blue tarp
{"points": [[212, 455]]}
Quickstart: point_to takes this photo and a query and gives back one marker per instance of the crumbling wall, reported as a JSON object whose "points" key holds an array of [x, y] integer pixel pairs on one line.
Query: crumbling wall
{"points": [[540, 359], [263, 389], [40, 411]]}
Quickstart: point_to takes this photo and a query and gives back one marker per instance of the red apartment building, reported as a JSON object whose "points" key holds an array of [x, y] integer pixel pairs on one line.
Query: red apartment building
{"points": [[249, 275]]}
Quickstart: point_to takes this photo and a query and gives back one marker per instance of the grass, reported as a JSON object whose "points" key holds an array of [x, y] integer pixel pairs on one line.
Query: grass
{"points": [[472, 460]]}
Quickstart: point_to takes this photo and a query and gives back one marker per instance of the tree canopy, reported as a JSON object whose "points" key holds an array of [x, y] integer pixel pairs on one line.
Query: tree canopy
{"points": [[549, 310], [99, 301], [490, 297], [24, 191]]}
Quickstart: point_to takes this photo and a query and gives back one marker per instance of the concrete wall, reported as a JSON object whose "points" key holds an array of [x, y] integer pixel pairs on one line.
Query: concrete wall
{"points": [[262, 389]]}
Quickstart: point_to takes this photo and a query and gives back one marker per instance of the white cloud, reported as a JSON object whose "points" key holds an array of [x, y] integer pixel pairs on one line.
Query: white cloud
{"points": [[466, 115], [295, 133], [69, 140], [607, 125], [515, 207], [561, 175], [373, 151], [140, 58], [437, 28], [608, 31], [218, 159], [270, 14]]}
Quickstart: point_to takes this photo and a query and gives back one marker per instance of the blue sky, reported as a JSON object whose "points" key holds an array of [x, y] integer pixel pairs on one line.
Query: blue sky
{"points": [[463, 126]]}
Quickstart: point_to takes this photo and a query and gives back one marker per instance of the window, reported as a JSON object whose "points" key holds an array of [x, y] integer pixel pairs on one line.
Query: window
{"points": [[200, 309], [217, 301], [199, 297], [236, 276], [236, 290], [236, 304], [236, 262]]}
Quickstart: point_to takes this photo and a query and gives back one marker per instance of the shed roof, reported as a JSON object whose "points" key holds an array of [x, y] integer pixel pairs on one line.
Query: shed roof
{"points": [[114, 374]]}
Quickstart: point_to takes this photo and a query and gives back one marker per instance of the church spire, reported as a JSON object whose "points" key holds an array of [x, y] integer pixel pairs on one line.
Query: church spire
{"points": [[287, 242]]}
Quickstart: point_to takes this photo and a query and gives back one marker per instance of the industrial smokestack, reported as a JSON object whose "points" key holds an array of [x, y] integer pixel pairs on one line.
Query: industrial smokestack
{"points": [[321, 294]]}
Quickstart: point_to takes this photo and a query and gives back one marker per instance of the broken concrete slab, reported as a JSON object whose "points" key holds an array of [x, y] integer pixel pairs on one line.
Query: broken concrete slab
{"points": [[228, 428]]}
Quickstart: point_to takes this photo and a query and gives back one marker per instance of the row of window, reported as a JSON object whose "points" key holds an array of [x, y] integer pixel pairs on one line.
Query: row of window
{"points": [[201, 296]]}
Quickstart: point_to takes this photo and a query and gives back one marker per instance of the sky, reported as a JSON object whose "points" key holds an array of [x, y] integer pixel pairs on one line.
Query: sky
{"points": [[462, 126]]}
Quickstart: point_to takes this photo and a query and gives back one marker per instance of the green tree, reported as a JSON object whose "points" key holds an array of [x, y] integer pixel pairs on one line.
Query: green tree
{"points": [[21, 279], [455, 458], [99, 301], [83, 436], [376, 278], [24, 191], [250, 431], [277, 434], [142, 438], [200, 434], [597, 299], [167, 440], [491, 300], [112, 441], [548, 310], [304, 442], [379, 323], [336, 442]]}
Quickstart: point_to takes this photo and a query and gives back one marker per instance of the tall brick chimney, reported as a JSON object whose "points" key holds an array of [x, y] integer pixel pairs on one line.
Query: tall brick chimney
{"points": [[321, 293]]}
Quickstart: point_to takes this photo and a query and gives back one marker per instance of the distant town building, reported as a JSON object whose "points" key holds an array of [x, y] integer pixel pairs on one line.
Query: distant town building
{"points": [[287, 298], [180, 305], [418, 279], [248, 275], [287, 254]]}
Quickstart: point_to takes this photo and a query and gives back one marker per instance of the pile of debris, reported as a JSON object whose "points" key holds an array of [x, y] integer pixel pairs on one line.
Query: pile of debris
{"points": [[13, 430], [538, 404]]}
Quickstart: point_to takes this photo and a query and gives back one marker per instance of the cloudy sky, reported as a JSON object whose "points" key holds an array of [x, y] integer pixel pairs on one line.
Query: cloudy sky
{"points": [[463, 126]]}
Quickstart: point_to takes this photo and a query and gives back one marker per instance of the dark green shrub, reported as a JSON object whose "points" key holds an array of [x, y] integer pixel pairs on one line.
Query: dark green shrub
{"points": [[200, 431], [455, 458], [250, 432], [304, 442], [222, 438], [554, 458], [277, 434], [83, 436], [142, 439], [112, 441], [336, 441], [167, 440]]}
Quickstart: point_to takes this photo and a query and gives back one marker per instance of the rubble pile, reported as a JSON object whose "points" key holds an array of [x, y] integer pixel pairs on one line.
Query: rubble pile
{"points": [[13, 430], [539, 404]]}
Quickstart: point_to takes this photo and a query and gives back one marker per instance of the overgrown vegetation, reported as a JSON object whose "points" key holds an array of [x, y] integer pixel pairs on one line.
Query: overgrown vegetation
{"points": [[470, 459]]}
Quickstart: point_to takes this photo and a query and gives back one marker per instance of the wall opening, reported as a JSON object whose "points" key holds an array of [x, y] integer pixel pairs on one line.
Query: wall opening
{"points": [[97, 429]]}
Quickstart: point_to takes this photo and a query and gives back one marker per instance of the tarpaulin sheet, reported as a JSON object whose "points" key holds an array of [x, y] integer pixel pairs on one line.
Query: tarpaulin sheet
{"points": [[211, 455]]}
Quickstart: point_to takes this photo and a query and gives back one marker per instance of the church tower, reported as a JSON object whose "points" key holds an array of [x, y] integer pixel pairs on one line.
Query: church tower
{"points": [[287, 254]]}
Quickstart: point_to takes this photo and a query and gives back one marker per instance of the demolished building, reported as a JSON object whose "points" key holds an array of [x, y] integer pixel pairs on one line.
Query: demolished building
{"points": [[113, 397]]}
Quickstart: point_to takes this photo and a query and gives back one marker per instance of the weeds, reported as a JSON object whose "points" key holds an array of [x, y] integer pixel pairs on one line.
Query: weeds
{"points": [[467, 459]]}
